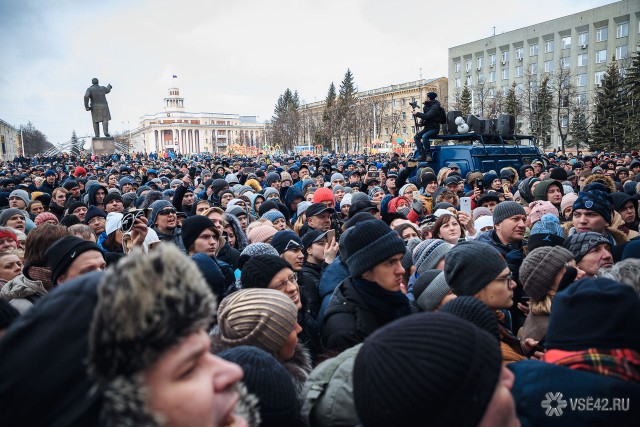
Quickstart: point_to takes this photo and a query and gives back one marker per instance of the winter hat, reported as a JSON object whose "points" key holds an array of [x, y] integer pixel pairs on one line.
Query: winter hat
{"points": [[8, 213], [114, 219], [374, 190], [540, 208], [273, 215], [630, 188], [236, 211], [253, 250], [597, 201], [539, 269], [267, 379], [407, 259], [269, 191], [44, 217], [432, 95], [482, 222], [7, 233], [156, 207], [193, 226], [568, 201], [472, 265], [540, 192], [546, 232], [75, 205], [64, 252], [369, 244], [49, 172], [595, 313], [146, 305], [92, 212], [478, 212], [271, 178], [259, 270], [621, 199], [261, 233], [302, 207], [21, 194], [462, 373], [336, 176], [428, 254], [217, 185], [558, 174], [263, 318], [323, 195], [433, 293], [488, 179], [505, 210], [311, 237], [475, 311], [355, 197], [231, 178], [285, 240], [581, 243], [112, 196], [427, 178], [336, 188]]}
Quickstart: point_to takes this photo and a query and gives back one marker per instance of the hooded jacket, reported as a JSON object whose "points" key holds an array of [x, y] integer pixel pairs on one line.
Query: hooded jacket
{"points": [[22, 292]]}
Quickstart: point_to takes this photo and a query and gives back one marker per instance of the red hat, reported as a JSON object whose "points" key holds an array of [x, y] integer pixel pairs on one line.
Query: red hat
{"points": [[6, 233], [80, 171], [323, 195]]}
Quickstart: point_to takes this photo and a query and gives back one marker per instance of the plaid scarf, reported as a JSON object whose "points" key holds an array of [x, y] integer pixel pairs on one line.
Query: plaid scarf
{"points": [[620, 363]]}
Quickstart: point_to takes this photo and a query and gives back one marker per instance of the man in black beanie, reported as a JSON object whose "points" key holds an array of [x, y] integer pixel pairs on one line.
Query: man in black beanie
{"points": [[72, 256], [200, 235], [455, 377], [370, 297]]}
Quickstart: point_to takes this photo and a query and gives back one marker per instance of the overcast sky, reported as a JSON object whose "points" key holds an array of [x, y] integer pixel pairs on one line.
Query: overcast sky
{"points": [[229, 56]]}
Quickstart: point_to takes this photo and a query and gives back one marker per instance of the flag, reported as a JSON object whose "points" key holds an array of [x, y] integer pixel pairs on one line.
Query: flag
{"points": [[175, 77]]}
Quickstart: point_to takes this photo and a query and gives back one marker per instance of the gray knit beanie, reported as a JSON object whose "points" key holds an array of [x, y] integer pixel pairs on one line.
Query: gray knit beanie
{"points": [[433, 294], [539, 269], [580, 243], [472, 265], [428, 254], [369, 244], [505, 210]]}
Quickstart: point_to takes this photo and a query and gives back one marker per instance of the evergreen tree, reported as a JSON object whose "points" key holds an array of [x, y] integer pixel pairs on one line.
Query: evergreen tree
{"points": [[465, 101], [579, 129], [632, 101], [286, 120], [329, 115], [347, 99], [608, 128], [513, 105], [76, 144], [542, 106]]}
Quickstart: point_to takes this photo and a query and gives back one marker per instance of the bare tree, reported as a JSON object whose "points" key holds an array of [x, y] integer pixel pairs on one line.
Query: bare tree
{"points": [[482, 94], [564, 96]]}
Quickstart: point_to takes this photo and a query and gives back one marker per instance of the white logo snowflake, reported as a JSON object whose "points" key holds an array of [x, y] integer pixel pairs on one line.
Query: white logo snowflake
{"points": [[553, 410]]}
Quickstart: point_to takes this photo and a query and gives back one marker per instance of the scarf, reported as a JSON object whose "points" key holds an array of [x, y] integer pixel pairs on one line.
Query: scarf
{"points": [[383, 303], [42, 274], [623, 363]]}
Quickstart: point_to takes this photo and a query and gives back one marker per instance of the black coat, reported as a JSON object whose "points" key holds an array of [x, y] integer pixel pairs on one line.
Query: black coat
{"points": [[429, 115]]}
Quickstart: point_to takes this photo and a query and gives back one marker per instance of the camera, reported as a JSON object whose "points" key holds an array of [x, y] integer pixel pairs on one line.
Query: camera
{"points": [[129, 219], [414, 104]]}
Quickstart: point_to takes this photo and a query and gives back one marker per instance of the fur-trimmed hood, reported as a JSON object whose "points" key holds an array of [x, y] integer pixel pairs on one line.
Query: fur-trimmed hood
{"points": [[603, 179]]}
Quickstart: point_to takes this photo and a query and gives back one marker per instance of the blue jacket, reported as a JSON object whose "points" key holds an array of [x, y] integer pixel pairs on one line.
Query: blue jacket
{"points": [[535, 379], [332, 276]]}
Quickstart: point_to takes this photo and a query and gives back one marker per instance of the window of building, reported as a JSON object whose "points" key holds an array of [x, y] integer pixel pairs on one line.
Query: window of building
{"points": [[565, 62], [480, 60], [622, 30], [533, 86], [505, 90], [395, 102], [413, 129], [533, 49], [404, 101], [519, 71], [480, 78], [491, 93], [456, 65], [519, 89], [622, 52], [492, 59], [492, 76], [505, 56], [564, 121], [386, 130], [468, 65], [548, 66], [581, 98], [581, 80], [566, 42], [548, 46], [519, 53], [404, 116], [582, 60], [505, 74], [458, 83], [468, 80], [583, 39], [598, 77], [601, 56], [404, 130], [602, 34], [533, 68]]}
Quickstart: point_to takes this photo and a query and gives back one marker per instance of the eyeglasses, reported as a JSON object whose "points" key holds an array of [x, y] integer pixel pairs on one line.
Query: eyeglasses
{"points": [[291, 279], [167, 211], [507, 279]]}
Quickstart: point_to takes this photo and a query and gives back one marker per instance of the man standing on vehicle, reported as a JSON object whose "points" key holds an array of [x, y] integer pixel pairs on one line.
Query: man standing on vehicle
{"points": [[431, 127]]}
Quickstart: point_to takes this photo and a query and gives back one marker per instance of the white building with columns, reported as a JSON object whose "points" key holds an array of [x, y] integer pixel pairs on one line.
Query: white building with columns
{"points": [[176, 130]]}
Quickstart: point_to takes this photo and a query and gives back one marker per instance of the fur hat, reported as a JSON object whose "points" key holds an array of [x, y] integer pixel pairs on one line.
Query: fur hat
{"points": [[146, 304], [259, 317]]}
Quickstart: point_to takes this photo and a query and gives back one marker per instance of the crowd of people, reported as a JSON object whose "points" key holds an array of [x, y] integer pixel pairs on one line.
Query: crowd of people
{"points": [[322, 291]]}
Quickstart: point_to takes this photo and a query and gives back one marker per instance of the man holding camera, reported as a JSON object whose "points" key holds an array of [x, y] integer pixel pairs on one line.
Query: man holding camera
{"points": [[430, 125]]}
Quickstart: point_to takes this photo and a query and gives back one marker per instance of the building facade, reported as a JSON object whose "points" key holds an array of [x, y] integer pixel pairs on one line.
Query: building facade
{"points": [[176, 130], [582, 44], [9, 141], [384, 114]]}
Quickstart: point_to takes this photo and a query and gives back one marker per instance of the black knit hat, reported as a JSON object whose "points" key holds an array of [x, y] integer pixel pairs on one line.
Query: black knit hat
{"points": [[64, 252], [112, 195], [269, 381], [462, 373], [597, 201], [285, 240], [75, 205], [475, 311], [93, 212], [581, 243], [472, 265], [595, 313], [259, 270], [369, 244], [193, 226]]}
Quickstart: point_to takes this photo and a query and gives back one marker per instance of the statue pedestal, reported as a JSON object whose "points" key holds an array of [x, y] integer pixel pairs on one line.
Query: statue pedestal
{"points": [[103, 146]]}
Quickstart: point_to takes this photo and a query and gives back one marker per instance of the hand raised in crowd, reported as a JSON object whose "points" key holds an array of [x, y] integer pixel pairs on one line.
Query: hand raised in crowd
{"points": [[417, 205], [139, 231], [467, 222], [186, 181], [330, 251], [524, 308]]}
